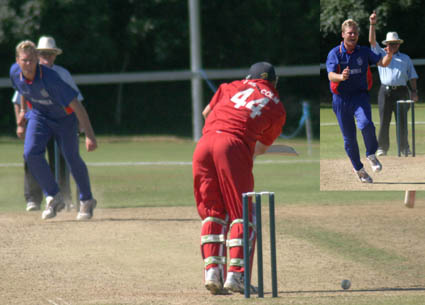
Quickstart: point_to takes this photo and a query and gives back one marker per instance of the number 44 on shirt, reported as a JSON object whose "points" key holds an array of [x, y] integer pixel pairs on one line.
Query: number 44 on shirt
{"points": [[240, 100]]}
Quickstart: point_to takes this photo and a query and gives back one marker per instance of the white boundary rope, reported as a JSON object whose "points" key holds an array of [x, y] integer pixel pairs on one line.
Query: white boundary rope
{"points": [[166, 163]]}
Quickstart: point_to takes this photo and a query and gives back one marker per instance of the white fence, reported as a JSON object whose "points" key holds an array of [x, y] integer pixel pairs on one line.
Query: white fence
{"points": [[183, 75]]}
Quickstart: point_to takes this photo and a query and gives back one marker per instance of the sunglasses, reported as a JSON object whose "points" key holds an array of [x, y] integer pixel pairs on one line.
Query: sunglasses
{"points": [[46, 53]]}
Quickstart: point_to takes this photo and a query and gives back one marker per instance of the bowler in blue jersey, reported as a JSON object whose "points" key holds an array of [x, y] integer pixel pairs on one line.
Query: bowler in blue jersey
{"points": [[55, 112], [350, 81]]}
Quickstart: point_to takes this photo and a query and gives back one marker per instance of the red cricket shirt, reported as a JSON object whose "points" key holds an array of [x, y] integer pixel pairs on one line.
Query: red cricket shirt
{"points": [[249, 109]]}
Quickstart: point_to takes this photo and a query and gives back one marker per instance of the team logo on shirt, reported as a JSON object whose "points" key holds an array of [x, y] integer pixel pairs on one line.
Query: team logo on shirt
{"points": [[44, 93], [359, 61], [41, 102]]}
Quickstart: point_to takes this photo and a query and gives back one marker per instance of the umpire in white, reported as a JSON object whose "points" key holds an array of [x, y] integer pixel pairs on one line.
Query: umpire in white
{"points": [[394, 80]]}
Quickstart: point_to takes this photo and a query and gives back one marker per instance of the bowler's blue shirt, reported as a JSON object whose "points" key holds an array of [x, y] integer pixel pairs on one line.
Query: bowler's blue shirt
{"points": [[48, 94], [64, 74], [358, 61], [398, 72]]}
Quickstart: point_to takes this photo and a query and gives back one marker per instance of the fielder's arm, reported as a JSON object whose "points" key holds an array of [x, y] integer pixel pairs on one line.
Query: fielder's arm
{"points": [[23, 109], [83, 119], [20, 110], [20, 130], [16, 108]]}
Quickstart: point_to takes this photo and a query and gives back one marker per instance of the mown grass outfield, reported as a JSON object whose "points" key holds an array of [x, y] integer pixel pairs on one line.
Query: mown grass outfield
{"points": [[142, 246]]}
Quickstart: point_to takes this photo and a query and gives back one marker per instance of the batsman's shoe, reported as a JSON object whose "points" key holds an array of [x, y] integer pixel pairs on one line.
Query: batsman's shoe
{"points": [[32, 206], [374, 163], [86, 209], [363, 175], [234, 282], [213, 281], [381, 152], [53, 205]]}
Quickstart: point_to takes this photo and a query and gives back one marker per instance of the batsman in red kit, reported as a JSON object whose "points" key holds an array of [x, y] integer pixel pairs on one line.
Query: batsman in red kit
{"points": [[242, 120]]}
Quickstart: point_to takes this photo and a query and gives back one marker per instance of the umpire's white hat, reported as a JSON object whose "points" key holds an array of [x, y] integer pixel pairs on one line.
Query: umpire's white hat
{"points": [[392, 37], [47, 43]]}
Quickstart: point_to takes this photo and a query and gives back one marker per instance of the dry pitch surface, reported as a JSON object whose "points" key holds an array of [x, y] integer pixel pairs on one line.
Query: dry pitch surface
{"points": [[398, 173], [151, 256]]}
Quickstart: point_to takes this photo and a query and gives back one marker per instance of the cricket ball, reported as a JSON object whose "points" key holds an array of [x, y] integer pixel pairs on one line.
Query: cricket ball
{"points": [[345, 284]]}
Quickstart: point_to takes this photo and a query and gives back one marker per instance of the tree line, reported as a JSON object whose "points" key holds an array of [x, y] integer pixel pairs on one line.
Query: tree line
{"points": [[112, 36], [406, 17]]}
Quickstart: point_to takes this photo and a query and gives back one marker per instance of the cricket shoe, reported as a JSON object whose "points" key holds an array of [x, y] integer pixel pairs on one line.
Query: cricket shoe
{"points": [[86, 209], [381, 152], [234, 282], [374, 163], [53, 205], [32, 206], [363, 175], [213, 281]]}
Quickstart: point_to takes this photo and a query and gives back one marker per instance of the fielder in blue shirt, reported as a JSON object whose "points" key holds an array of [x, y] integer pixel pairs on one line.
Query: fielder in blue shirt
{"points": [[350, 80], [55, 110], [394, 81]]}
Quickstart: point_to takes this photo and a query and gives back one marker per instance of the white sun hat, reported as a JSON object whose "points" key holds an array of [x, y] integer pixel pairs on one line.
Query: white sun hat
{"points": [[392, 37], [47, 43]]}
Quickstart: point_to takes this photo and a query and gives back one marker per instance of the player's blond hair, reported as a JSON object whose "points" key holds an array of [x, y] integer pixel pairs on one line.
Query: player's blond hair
{"points": [[26, 46], [349, 23]]}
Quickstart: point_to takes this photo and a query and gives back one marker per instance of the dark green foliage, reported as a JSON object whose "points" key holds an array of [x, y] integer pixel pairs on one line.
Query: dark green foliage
{"points": [[153, 35], [403, 16]]}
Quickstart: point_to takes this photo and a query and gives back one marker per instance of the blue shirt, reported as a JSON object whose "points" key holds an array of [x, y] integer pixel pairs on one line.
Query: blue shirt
{"points": [[64, 74], [398, 72], [48, 94], [358, 61]]}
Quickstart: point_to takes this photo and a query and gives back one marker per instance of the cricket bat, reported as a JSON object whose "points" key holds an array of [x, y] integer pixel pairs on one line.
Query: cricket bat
{"points": [[282, 149], [409, 199]]}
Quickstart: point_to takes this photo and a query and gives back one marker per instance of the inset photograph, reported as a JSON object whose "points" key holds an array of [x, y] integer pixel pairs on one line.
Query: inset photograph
{"points": [[372, 121]]}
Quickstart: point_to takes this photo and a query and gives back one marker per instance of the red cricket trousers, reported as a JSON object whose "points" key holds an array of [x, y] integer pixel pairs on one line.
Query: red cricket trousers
{"points": [[222, 171]]}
